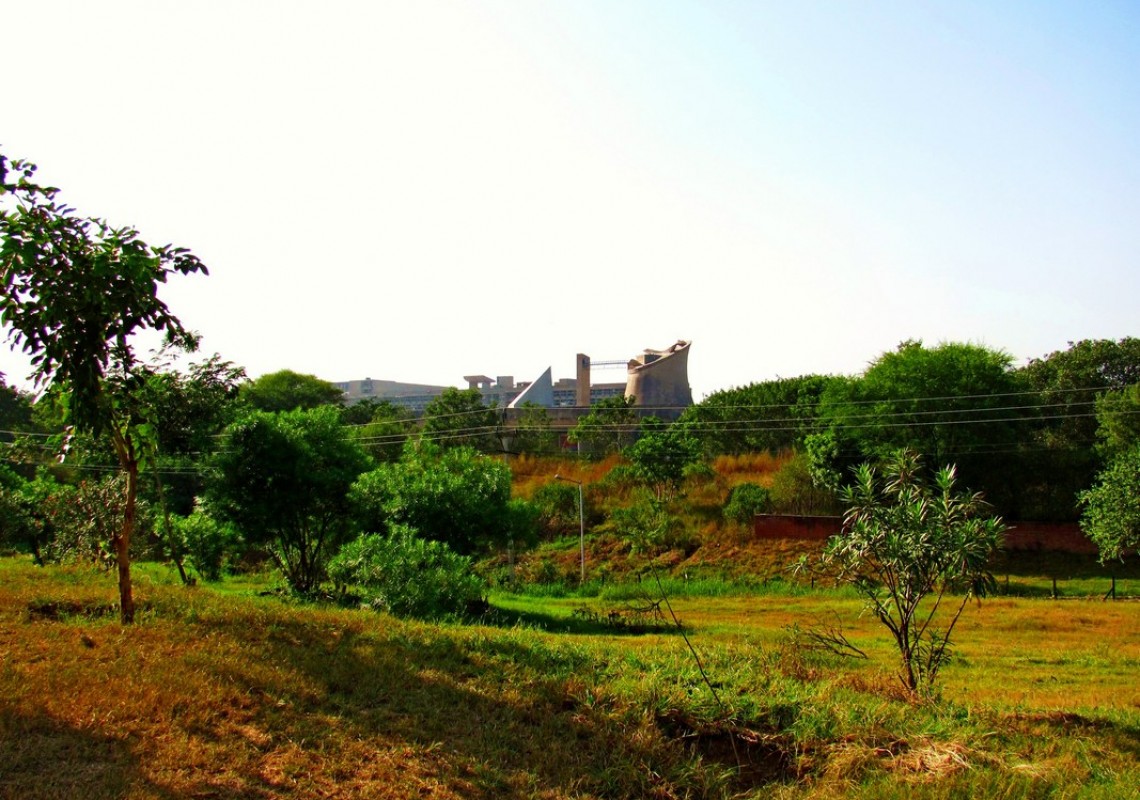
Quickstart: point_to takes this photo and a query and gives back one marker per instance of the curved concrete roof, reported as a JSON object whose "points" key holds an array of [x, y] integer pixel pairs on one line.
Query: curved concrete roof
{"points": [[660, 377]]}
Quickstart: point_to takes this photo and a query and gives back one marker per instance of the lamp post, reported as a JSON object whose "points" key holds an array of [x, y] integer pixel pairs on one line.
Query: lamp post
{"points": [[581, 525]]}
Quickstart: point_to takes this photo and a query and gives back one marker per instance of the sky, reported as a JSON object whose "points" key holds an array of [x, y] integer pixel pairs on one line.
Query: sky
{"points": [[418, 191]]}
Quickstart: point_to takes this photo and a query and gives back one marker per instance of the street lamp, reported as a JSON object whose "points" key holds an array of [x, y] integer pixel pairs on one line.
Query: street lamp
{"points": [[581, 525]]}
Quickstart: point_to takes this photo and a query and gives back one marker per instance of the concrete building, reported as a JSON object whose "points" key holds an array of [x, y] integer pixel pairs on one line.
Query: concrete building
{"points": [[661, 377], [656, 378], [413, 396]]}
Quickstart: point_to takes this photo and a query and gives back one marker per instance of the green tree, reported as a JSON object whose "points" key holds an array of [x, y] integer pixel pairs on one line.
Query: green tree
{"points": [[32, 511], [283, 480], [453, 495], [610, 426], [15, 412], [190, 409], [458, 418], [286, 390], [1118, 418], [648, 527], [907, 543], [76, 290], [954, 402], [1111, 515], [767, 416], [205, 541], [384, 433], [532, 431], [795, 491], [557, 505], [661, 455], [1062, 457]]}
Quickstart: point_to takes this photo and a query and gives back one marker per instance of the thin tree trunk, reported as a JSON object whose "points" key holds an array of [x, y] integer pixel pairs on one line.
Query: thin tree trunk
{"points": [[123, 547], [125, 449], [168, 531]]}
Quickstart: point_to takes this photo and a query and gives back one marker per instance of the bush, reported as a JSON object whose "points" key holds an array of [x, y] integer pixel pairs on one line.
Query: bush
{"points": [[794, 490], [650, 529], [408, 576], [81, 522], [206, 541], [746, 501]]}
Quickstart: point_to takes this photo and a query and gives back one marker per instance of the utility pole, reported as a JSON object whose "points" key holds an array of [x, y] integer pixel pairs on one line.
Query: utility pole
{"points": [[581, 526]]}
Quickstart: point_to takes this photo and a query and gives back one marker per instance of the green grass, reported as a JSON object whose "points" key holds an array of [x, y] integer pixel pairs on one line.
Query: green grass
{"points": [[222, 692]]}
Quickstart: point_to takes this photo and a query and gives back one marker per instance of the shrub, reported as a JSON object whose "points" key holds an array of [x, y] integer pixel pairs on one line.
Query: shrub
{"points": [[907, 539], [794, 490], [206, 541], [83, 521], [408, 576], [746, 501], [650, 528]]}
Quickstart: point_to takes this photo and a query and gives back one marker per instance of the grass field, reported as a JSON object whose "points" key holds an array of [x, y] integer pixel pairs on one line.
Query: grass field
{"points": [[222, 693]]}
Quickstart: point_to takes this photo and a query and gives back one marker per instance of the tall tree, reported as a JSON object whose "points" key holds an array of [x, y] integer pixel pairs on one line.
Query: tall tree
{"points": [[286, 390], [611, 426], [76, 289], [384, 432], [1072, 388], [1112, 506], [1118, 417], [659, 457], [458, 418], [532, 432], [769, 415], [190, 409], [954, 402], [283, 479]]}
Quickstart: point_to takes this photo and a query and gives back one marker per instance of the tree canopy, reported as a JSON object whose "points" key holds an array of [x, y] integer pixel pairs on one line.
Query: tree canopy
{"points": [[610, 426], [458, 418], [76, 290], [769, 415], [286, 390], [1111, 506], [954, 402], [453, 495], [283, 479], [659, 457]]}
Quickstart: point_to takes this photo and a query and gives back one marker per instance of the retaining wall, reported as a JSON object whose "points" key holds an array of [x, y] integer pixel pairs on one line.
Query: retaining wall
{"points": [[1059, 537]]}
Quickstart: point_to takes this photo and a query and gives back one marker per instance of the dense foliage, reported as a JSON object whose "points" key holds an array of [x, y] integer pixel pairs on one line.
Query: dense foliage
{"points": [[610, 426], [765, 416], [745, 501], [453, 495], [661, 455], [1112, 506], [286, 390], [458, 418], [407, 575], [283, 480]]}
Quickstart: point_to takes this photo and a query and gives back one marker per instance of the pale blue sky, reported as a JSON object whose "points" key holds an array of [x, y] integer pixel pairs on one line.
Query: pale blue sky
{"points": [[419, 191]]}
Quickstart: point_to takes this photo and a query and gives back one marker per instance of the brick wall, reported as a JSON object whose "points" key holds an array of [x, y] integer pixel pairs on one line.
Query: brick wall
{"points": [[1061, 537]]}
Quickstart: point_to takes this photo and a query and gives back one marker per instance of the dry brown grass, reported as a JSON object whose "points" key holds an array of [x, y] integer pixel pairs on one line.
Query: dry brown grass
{"points": [[530, 472], [240, 697], [750, 467]]}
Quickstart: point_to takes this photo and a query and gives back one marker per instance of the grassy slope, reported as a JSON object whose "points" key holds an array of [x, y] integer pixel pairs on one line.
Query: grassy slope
{"points": [[724, 550], [229, 696]]}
